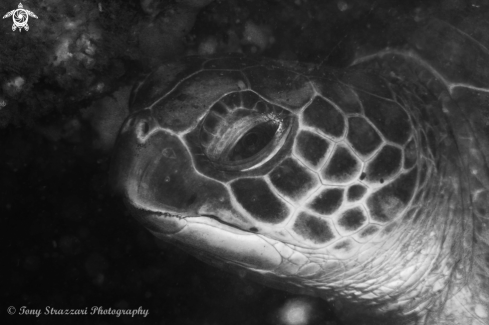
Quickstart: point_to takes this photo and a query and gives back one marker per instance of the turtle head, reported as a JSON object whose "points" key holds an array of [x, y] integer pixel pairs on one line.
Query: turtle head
{"points": [[255, 166], [191, 165]]}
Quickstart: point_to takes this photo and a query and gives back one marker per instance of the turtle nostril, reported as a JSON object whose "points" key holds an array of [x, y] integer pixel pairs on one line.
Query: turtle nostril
{"points": [[141, 128], [144, 128], [141, 125]]}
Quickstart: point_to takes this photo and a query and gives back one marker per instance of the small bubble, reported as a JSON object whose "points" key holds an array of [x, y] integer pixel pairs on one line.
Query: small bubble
{"points": [[208, 46], [167, 179], [296, 312], [342, 5]]}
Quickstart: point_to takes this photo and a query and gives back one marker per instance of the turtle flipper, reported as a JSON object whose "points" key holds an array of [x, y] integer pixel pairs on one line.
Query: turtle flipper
{"points": [[30, 13], [8, 14], [26, 27], [13, 27]]}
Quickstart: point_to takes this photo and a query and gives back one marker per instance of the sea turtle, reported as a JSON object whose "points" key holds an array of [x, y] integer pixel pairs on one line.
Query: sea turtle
{"points": [[20, 17], [367, 186]]}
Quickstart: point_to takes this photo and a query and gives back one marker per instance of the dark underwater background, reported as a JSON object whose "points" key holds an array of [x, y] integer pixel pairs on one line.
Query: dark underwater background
{"points": [[69, 243]]}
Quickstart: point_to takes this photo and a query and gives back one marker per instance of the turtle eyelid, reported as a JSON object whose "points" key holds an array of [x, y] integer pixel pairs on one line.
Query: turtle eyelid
{"points": [[245, 143], [253, 141]]}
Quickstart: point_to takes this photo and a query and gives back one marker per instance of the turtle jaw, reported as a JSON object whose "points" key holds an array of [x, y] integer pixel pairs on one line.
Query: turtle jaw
{"points": [[208, 237], [215, 241]]}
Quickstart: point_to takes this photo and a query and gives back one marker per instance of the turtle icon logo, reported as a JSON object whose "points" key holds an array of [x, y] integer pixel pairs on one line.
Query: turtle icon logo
{"points": [[20, 16]]}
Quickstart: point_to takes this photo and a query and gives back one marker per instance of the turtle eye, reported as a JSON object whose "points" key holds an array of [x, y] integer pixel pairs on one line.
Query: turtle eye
{"points": [[243, 141], [243, 131], [253, 141]]}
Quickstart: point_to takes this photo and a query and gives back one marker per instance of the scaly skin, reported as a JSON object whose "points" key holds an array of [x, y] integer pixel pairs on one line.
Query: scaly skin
{"points": [[366, 186]]}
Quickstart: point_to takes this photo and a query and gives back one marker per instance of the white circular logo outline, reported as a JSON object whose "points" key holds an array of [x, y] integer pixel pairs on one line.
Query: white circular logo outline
{"points": [[20, 17]]}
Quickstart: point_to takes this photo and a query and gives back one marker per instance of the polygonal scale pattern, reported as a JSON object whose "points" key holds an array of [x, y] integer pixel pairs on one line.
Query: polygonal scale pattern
{"points": [[242, 99], [293, 179], [352, 219], [343, 167], [352, 150], [356, 192], [313, 228], [410, 154], [311, 147], [390, 200], [325, 117], [352, 166], [280, 86], [342, 95], [255, 196], [385, 165], [327, 201], [368, 231], [362, 136], [388, 117]]}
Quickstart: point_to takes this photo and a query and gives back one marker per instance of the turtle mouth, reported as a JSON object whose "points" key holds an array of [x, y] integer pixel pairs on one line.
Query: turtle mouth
{"points": [[208, 235], [170, 222], [216, 218]]}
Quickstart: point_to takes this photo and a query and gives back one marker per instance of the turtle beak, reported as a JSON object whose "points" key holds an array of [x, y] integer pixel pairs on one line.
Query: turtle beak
{"points": [[145, 170], [153, 170], [148, 166]]}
